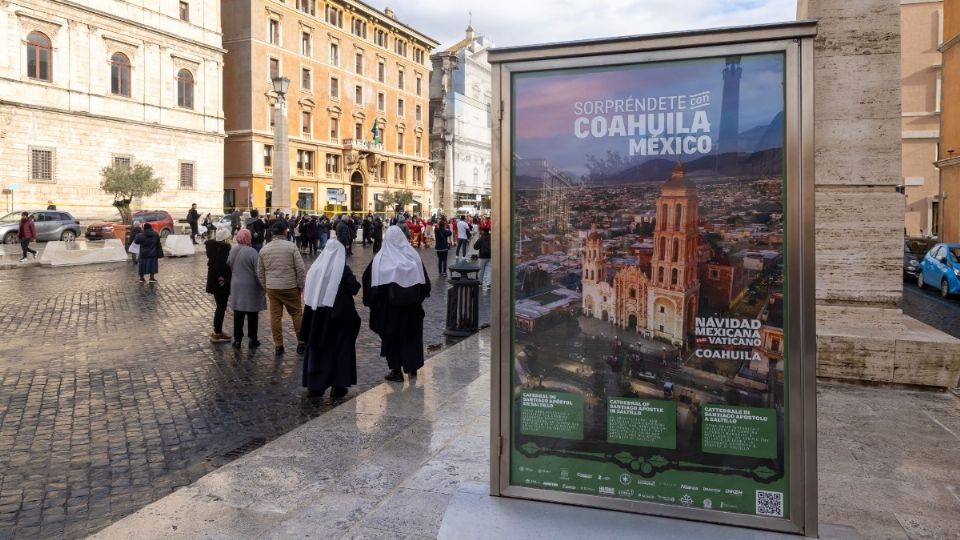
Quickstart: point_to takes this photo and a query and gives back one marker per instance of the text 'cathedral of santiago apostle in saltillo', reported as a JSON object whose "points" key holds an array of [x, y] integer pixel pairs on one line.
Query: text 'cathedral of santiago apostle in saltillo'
{"points": [[665, 302]]}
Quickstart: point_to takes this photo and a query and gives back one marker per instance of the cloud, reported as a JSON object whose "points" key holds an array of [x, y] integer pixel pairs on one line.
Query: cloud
{"points": [[512, 23]]}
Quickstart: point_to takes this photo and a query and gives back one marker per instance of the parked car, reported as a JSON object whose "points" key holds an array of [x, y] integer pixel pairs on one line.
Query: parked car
{"points": [[940, 268], [913, 251], [160, 220], [50, 225]]}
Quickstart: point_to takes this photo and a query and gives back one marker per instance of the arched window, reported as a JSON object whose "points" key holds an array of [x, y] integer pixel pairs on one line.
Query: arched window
{"points": [[120, 75], [676, 224], [39, 57], [476, 176], [664, 217], [663, 248], [660, 275], [185, 89], [676, 250], [675, 277]]}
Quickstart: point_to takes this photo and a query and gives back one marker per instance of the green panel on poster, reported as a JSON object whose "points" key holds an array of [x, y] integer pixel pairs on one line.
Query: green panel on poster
{"points": [[739, 431], [642, 422], [551, 414]]}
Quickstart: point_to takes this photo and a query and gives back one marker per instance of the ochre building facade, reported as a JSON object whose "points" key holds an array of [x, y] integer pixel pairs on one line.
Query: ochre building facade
{"points": [[921, 25], [357, 105], [949, 162]]}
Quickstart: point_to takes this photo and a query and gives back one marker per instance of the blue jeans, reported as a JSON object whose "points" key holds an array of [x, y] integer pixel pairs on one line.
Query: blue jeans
{"points": [[485, 277], [323, 239]]}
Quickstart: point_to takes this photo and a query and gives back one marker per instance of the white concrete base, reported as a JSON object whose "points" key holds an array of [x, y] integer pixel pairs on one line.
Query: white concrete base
{"points": [[474, 515], [80, 253], [177, 245]]}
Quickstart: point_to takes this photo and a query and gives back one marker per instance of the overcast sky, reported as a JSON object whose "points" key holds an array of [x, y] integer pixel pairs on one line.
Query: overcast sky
{"points": [[525, 22]]}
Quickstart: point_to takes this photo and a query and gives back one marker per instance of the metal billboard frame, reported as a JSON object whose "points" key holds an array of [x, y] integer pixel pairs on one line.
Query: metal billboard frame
{"points": [[795, 42]]}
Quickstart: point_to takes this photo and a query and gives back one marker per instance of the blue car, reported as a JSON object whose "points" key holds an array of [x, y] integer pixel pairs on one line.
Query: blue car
{"points": [[940, 268]]}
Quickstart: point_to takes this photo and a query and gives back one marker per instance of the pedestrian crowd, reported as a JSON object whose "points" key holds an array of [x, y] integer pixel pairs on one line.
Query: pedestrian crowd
{"points": [[256, 264]]}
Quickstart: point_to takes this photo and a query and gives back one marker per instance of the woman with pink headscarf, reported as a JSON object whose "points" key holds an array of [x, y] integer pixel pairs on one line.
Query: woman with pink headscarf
{"points": [[247, 297]]}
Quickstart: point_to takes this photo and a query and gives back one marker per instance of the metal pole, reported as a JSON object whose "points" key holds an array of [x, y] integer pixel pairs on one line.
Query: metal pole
{"points": [[281, 160]]}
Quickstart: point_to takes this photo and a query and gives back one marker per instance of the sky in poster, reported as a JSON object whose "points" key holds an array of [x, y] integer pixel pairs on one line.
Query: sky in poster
{"points": [[546, 104]]}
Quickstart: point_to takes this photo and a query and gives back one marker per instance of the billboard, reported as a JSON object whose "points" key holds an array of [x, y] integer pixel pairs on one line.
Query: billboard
{"points": [[646, 362]]}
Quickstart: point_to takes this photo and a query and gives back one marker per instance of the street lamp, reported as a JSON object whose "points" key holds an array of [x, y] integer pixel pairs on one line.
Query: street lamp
{"points": [[281, 162]]}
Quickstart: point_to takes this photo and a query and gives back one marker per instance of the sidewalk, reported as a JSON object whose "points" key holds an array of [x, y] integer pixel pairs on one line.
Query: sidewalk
{"points": [[10, 255], [383, 465], [386, 465]]}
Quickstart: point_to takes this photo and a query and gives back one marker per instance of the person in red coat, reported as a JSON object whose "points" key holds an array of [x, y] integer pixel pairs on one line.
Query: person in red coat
{"points": [[28, 233]]}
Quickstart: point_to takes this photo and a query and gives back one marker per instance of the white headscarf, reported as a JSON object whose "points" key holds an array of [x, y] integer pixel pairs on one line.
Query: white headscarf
{"points": [[397, 261], [323, 279], [223, 233]]}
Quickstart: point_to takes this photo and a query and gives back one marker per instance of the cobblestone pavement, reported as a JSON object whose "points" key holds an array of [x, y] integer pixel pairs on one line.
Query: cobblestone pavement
{"points": [[927, 307], [111, 395]]}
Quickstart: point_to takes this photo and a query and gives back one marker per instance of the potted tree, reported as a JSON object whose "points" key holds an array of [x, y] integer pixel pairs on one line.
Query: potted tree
{"points": [[125, 183]]}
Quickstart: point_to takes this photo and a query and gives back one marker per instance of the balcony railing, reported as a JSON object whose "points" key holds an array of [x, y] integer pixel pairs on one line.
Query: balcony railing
{"points": [[361, 144]]}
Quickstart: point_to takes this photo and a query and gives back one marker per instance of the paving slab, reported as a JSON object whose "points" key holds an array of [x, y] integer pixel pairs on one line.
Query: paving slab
{"points": [[474, 515], [112, 396], [365, 471]]}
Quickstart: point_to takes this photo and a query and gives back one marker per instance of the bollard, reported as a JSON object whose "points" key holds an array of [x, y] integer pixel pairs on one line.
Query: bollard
{"points": [[463, 300]]}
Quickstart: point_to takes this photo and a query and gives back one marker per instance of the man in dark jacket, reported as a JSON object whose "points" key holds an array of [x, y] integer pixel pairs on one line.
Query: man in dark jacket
{"points": [[258, 230], [309, 233], [193, 217], [482, 245], [345, 233], [28, 233], [323, 231], [377, 233]]}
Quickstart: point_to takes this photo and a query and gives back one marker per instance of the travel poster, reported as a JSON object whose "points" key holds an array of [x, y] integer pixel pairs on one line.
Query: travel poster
{"points": [[648, 283]]}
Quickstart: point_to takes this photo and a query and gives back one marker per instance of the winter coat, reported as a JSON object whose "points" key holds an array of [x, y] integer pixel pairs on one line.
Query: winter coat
{"points": [[27, 230], [246, 293], [150, 246]]}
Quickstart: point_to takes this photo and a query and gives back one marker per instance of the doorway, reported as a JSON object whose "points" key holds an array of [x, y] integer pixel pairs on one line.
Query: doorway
{"points": [[356, 192], [356, 198]]}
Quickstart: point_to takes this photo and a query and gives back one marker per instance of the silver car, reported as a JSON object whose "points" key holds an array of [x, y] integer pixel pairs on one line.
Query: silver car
{"points": [[50, 225]]}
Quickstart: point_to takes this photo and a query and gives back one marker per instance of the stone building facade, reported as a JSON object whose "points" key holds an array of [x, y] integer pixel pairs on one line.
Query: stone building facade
{"points": [[460, 124], [89, 83], [922, 26], [352, 68]]}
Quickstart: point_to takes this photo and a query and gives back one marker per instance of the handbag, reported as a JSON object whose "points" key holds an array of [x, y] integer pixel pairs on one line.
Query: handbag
{"points": [[134, 249]]}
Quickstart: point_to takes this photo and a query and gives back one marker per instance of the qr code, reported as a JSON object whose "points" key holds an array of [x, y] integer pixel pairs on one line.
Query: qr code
{"points": [[769, 503]]}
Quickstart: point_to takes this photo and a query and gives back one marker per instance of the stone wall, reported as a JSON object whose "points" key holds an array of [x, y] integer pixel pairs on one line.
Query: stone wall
{"points": [[85, 144], [861, 332]]}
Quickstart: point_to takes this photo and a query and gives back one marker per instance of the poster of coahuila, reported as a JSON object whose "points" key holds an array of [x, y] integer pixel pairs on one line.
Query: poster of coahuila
{"points": [[648, 277]]}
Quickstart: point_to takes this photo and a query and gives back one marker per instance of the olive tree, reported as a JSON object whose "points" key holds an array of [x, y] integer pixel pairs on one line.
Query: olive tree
{"points": [[400, 197], [125, 183]]}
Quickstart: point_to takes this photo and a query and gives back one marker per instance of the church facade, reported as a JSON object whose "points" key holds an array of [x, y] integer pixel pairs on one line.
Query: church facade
{"points": [[663, 303]]}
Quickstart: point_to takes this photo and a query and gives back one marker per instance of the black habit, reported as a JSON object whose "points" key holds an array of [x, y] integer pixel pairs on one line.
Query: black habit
{"points": [[331, 337], [400, 327]]}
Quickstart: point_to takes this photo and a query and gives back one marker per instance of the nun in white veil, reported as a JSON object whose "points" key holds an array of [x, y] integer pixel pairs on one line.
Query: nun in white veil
{"points": [[395, 284], [330, 323]]}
